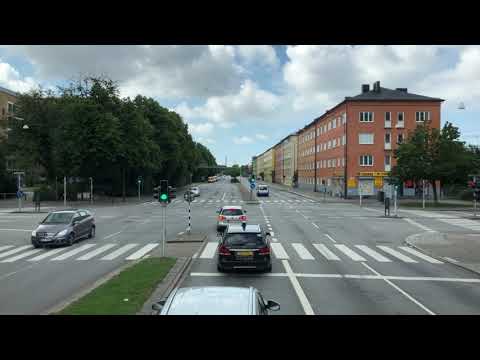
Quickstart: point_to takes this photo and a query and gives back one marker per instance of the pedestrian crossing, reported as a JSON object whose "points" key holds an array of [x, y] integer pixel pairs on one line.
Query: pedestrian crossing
{"points": [[336, 252], [232, 201], [447, 218], [81, 253]]}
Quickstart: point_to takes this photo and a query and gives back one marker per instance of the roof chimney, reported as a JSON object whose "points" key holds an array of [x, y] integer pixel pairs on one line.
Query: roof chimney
{"points": [[365, 88], [376, 86], [402, 89]]}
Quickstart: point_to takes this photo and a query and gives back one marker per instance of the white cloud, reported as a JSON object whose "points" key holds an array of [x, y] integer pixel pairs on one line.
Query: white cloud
{"points": [[208, 141], [201, 129], [11, 79], [258, 54], [250, 102], [261, 137], [242, 140]]}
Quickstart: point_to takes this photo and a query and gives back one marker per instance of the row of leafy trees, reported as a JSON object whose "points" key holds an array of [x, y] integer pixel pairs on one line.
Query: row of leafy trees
{"points": [[436, 154], [86, 130]]}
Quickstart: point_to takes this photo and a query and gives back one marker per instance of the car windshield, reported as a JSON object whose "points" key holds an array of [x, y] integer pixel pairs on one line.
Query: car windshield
{"points": [[244, 239], [262, 187], [232, 212], [58, 218]]}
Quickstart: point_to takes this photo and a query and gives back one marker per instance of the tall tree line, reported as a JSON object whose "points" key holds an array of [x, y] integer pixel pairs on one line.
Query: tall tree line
{"points": [[86, 130]]}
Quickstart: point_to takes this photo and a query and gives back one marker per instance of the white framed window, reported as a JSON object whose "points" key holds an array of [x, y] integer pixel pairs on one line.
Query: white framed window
{"points": [[334, 123], [366, 116], [318, 131], [343, 162], [318, 164], [388, 116], [343, 139], [334, 143], [421, 116], [344, 118], [324, 129], [366, 138], [318, 148], [400, 116], [339, 121], [387, 160], [329, 163], [338, 142], [329, 126], [388, 138], [366, 160], [324, 163], [329, 144], [400, 138]]}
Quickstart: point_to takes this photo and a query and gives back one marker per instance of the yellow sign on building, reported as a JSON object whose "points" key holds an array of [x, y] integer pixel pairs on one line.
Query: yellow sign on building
{"points": [[373, 173], [352, 183], [378, 181]]}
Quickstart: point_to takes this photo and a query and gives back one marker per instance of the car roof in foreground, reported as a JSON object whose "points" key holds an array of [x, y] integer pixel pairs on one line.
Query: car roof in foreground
{"points": [[211, 300], [239, 229], [231, 207]]}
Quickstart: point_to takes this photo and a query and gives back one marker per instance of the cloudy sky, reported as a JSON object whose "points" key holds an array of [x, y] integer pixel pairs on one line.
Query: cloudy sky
{"points": [[240, 100]]}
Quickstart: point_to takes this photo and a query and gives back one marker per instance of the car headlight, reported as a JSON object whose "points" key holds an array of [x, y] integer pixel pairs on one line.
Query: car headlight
{"points": [[62, 233], [34, 233]]}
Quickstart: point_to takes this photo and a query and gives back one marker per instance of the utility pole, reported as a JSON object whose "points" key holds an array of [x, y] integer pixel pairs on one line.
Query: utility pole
{"points": [[395, 199], [360, 190], [423, 194], [91, 190], [65, 191], [164, 232]]}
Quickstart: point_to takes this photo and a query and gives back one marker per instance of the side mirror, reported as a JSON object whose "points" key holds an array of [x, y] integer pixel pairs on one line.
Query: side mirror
{"points": [[272, 305]]}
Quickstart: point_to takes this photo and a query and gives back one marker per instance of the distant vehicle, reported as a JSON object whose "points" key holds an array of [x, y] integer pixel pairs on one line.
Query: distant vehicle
{"points": [[212, 179], [215, 300], [244, 247], [195, 191], [230, 214], [64, 227], [262, 190]]}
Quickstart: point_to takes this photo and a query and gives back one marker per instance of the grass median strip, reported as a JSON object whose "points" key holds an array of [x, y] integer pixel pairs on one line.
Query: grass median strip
{"points": [[125, 293]]}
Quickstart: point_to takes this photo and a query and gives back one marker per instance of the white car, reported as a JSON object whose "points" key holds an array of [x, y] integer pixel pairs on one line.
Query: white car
{"points": [[195, 191], [262, 190], [230, 215]]}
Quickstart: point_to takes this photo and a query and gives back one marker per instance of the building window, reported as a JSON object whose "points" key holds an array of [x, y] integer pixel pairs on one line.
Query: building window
{"points": [[324, 163], [387, 160], [366, 116], [334, 143], [329, 144], [329, 163], [387, 138], [334, 123], [329, 126], [334, 162], [318, 131], [343, 162], [400, 116], [343, 140], [338, 142], [388, 116], [318, 148], [339, 121], [10, 108], [344, 118], [366, 160], [318, 164], [324, 128], [422, 116], [400, 138], [365, 139]]}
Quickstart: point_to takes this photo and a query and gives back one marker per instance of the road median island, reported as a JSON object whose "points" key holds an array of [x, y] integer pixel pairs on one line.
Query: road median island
{"points": [[125, 293], [245, 193]]}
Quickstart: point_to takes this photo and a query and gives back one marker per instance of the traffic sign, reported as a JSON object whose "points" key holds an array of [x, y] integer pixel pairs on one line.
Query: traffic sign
{"points": [[19, 194], [252, 185]]}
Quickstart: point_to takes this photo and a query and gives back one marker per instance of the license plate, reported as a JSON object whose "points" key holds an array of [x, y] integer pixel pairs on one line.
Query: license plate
{"points": [[245, 253]]}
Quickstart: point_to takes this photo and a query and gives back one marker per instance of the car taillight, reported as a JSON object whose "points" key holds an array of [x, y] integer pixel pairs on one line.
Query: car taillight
{"points": [[221, 217], [243, 218], [264, 251], [222, 250]]}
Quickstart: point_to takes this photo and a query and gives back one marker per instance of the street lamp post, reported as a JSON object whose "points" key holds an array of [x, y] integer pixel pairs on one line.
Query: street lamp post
{"points": [[91, 190]]}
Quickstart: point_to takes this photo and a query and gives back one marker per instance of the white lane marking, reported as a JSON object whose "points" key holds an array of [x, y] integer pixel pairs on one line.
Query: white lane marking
{"points": [[417, 224], [119, 252], [223, 197], [373, 253], [96, 252], [302, 251], [396, 254], [283, 201], [183, 232], [210, 201], [329, 237], [450, 259], [307, 308], [350, 253], [21, 230], [47, 254], [73, 252], [315, 225], [404, 293], [275, 201], [21, 256], [274, 239], [279, 251], [194, 256], [234, 201], [5, 247], [202, 201], [209, 251], [107, 217], [272, 233], [143, 251], [194, 201], [14, 251], [375, 210], [218, 200], [326, 252], [420, 255], [112, 235]]}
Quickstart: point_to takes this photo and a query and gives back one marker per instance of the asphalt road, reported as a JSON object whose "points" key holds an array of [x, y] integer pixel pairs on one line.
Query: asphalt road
{"points": [[329, 258]]}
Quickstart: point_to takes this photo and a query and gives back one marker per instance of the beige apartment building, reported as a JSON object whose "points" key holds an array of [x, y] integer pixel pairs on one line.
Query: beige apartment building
{"points": [[286, 165], [265, 165]]}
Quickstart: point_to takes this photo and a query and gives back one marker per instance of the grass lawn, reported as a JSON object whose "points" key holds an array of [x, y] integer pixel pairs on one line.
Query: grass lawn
{"points": [[136, 283], [433, 205]]}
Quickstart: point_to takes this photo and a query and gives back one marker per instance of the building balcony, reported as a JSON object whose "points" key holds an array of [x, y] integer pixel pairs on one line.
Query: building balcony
{"points": [[388, 146], [400, 125], [388, 124]]}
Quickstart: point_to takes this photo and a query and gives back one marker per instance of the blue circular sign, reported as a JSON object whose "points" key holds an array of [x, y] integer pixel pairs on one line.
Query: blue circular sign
{"points": [[252, 185]]}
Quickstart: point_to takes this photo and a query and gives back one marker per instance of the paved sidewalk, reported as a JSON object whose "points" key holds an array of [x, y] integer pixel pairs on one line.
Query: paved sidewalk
{"points": [[459, 249]]}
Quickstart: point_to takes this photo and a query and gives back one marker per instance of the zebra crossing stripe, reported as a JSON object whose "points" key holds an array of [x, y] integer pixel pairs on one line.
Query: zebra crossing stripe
{"points": [[209, 250], [350, 253], [73, 252], [302, 252], [373, 253], [5, 247], [420, 255], [14, 251], [396, 254], [21, 256], [141, 252], [96, 252], [279, 251], [46, 254], [322, 249], [119, 252]]}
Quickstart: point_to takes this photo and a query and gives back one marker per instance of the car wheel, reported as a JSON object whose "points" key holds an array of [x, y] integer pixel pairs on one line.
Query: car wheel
{"points": [[35, 244], [92, 232], [71, 239], [269, 269]]}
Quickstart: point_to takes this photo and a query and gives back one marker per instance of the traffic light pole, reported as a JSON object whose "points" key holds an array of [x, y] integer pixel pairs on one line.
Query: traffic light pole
{"points": [[164, 226]]}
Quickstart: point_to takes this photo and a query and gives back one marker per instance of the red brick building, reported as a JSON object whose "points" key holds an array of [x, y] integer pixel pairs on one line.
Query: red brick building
{"points": [[351, 145]]}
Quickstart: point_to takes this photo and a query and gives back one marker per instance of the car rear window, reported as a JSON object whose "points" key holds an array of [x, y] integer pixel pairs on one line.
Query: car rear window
{"points": [[262, 187], [232, 212], [244, 239]]}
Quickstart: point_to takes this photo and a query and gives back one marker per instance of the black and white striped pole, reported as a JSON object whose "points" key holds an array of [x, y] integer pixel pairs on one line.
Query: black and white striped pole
{"points": [[189, 228]]}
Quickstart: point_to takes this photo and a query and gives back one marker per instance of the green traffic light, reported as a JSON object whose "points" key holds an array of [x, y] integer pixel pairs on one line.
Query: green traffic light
{"points": [[163, 197]]}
